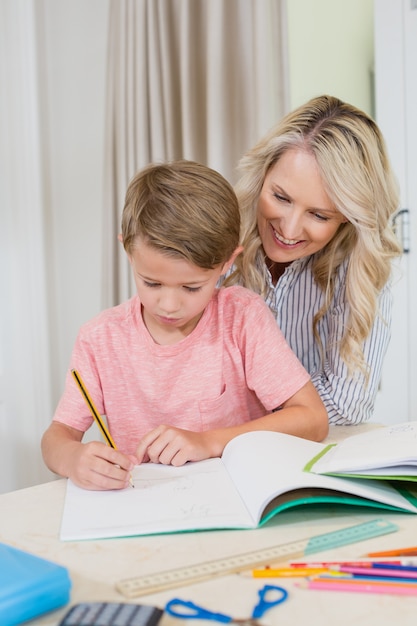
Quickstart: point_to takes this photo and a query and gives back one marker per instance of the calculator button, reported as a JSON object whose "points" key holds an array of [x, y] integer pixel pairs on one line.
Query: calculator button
{"points": [[112, 614]]}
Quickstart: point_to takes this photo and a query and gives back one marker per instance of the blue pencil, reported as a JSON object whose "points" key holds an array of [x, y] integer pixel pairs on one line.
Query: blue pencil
{"points": [[400, 572], [395, 566]]}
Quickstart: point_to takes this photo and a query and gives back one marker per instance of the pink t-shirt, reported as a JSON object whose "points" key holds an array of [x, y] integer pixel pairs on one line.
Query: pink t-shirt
{"points": [[235, 366]]}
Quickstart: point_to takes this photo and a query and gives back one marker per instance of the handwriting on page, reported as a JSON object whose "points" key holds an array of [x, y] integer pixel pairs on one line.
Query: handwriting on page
{"points": [[179, 483], [165, 497], [177, 486], [389, 446], [400, 430]]}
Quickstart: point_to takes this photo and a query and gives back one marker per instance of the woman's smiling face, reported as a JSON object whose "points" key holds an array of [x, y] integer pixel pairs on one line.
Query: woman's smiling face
{"points": [[296, 217]]}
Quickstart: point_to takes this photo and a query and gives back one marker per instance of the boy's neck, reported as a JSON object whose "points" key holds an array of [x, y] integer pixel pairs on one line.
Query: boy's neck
{"points": [[165, 335]]}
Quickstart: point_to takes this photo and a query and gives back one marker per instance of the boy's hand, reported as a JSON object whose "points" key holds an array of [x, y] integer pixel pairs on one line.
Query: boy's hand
{"points": [[96, 466], [175, 446]]}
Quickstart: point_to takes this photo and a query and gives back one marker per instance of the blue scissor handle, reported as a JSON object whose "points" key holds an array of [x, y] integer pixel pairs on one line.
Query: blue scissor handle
{"points": [[264, 603], [188, 610]]}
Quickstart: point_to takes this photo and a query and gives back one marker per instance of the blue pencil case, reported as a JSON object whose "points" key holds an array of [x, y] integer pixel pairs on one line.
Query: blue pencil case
{"points": [[29, 586]]}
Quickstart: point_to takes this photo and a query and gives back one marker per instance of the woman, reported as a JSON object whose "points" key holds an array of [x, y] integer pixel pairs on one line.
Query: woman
{"points": [[317, 196]]}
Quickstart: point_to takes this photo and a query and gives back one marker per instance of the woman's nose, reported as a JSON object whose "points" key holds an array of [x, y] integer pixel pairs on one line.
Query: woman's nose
{"points": [[290, 226]]}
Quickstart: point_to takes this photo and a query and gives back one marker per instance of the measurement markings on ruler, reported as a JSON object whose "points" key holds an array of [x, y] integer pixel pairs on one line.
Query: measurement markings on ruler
{"points": [[152, 583]]}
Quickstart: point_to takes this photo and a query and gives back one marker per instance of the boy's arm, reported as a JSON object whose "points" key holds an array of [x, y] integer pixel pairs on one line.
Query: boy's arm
{"points": [[302, 415], [92, 465]]}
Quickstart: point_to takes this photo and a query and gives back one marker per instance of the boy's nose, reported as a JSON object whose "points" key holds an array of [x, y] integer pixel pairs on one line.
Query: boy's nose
{"points": [[169, 303]]}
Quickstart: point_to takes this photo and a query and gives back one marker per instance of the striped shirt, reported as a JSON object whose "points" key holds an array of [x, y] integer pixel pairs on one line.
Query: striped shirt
{"points": [[295, 299]]}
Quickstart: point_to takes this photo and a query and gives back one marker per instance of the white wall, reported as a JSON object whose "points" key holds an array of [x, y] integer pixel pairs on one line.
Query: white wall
{"points": [[331, 50]]}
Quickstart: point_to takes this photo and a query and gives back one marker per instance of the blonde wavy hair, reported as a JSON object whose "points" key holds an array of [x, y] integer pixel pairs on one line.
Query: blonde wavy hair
{"points": [[351, 155]]}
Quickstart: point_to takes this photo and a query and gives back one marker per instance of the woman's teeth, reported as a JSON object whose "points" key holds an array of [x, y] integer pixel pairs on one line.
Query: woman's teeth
{"points": [[288, 242]]}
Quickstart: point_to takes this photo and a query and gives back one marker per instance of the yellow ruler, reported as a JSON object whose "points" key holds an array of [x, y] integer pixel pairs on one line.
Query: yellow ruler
{"points": [[188, 575]]}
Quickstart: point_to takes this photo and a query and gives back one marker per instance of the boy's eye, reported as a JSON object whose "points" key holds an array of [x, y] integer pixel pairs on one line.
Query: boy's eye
{"points": [[149, 284]]}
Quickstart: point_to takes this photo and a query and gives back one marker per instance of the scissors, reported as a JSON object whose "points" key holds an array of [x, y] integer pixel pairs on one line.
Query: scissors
{"points": [[189, 610]]}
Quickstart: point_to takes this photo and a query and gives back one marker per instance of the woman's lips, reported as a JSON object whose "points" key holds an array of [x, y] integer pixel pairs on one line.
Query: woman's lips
{"points": [[282, 240]]}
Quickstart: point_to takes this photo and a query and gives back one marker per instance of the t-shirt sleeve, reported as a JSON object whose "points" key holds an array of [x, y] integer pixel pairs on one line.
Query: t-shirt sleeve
{"points": [[273, 371], [72, 409]]}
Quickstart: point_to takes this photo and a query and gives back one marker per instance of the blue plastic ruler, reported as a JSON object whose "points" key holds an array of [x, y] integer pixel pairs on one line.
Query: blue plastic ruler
{"points": [[188, 575]]}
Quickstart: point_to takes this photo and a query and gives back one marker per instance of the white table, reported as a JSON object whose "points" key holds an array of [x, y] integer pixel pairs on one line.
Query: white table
{"points": [[30, 519]]}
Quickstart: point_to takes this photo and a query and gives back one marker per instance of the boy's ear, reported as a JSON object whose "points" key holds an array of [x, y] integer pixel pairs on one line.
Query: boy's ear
{"points": [[228, 264]]}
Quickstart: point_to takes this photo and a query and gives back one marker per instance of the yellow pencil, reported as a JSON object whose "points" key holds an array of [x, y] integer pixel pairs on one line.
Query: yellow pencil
{"points": [[288, 572], [96, 414]]}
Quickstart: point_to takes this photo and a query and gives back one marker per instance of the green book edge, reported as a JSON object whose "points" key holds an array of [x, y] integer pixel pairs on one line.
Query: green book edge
{"points": [[313, 461], [309, 468], [344, 501], [386, 477]]}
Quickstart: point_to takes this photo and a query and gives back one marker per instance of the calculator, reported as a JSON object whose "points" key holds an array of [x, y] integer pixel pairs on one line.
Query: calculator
{"points": [[111, 614]]}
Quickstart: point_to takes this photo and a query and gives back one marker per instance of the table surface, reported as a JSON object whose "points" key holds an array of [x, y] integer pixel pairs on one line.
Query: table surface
{"points": [[30, 520]]}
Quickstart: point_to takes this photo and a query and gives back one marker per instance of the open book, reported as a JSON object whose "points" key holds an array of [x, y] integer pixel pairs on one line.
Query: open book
{"points": [[259, 475], [388, 453]]}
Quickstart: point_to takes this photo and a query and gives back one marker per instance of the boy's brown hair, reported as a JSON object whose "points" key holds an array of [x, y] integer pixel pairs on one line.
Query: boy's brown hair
{"points": [[183, 209]]}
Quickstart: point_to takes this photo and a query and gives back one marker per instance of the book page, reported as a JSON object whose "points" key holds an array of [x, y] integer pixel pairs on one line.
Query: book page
{"points": [[381, 448], [165, 499], [264, 465]]}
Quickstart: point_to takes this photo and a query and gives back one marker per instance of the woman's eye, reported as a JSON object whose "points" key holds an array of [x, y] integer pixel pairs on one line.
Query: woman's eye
{"points": [[280, 198], [321, 218]]}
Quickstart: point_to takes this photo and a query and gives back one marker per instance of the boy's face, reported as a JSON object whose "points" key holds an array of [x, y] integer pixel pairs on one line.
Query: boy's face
{"points": [[173, 292]]}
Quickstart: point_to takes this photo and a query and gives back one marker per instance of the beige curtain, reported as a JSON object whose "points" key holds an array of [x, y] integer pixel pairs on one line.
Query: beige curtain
{"points": [[25, 369], [194, 79]]}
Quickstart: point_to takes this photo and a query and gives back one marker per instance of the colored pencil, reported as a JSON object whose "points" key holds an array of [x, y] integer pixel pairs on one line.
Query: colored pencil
{"points": [[394, 566], [411, 551], [287, 572], [360, 586], [380, 572], [295, 571], [364, 578], [328, 564], [399, 572]]}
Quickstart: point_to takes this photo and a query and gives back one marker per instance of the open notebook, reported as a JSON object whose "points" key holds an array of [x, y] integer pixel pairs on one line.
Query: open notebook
{"points": [[259, 475], [387, 453]]}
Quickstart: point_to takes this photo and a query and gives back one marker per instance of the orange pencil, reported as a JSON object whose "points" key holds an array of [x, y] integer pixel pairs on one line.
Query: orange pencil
{"points": [[412, 551]]}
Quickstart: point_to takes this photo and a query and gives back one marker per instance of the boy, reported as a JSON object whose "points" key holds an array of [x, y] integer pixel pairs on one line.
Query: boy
{"points": [[182, 367]]}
